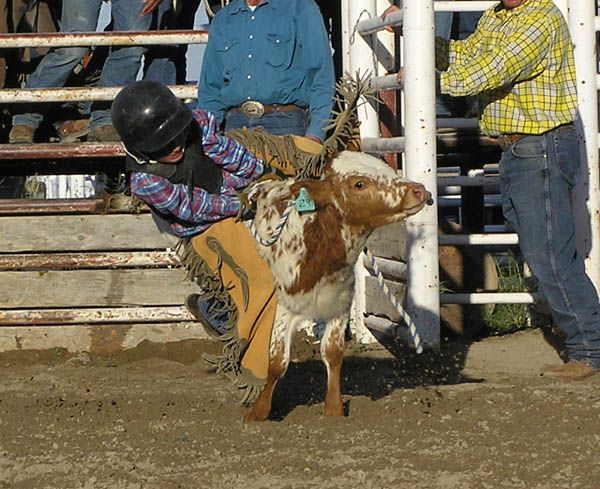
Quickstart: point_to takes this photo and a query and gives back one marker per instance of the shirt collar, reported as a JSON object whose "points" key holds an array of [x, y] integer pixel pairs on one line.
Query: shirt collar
{"points": [[241, 5], [499, 9]]}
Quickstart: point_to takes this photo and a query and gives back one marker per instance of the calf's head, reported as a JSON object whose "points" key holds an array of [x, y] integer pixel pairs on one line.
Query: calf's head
{"points": [[364, 192]]}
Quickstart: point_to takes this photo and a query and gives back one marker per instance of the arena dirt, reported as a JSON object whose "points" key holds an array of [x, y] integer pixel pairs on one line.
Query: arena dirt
{"points": [[472, 416]]}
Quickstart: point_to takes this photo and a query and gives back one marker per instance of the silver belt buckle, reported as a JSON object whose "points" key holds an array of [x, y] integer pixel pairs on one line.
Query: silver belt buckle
{"points": [[252, 108]]}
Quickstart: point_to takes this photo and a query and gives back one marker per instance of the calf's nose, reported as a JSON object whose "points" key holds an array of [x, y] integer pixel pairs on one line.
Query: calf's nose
{"points": [[418, 191], [421, 193]]}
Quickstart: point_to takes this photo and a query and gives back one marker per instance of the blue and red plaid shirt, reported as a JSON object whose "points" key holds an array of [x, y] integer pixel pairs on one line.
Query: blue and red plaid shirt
{"points": [[192, 214]]}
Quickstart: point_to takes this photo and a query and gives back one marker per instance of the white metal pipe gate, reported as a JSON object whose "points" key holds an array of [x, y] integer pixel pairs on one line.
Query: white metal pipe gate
{"points": [[422, 295], [419, 144]]}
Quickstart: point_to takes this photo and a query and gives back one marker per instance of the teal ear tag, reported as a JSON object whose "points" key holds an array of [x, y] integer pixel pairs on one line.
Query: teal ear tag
{"points": [[304, 203]]}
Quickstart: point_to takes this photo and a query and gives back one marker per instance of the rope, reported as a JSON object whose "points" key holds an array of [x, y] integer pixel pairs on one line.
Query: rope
{"points": [[395, 302], [278, 229], [209, 11]]}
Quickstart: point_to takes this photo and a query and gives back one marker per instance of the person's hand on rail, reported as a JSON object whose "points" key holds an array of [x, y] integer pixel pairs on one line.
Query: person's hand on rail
{"points": [[400, 76], [390, 10], [148, 6]]}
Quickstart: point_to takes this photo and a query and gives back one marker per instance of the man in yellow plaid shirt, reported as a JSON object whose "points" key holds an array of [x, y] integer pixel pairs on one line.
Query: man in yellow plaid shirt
{"points": [[519, 62]]}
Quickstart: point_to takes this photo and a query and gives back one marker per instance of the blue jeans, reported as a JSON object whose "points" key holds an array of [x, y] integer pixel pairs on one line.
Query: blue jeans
{"points": [[278, 123], [120, 68], [160, 63], [166, 64], [538, 174]]}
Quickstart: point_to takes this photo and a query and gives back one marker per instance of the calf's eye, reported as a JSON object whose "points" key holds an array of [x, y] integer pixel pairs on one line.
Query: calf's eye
{"points": [[359, 185]]}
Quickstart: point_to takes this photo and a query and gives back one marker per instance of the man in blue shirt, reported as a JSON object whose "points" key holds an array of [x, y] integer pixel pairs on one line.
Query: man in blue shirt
{"points": [[268, 63]]}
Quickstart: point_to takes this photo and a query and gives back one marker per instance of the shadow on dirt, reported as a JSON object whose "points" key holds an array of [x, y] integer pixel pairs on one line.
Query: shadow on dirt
{"points": [[305, 382]]}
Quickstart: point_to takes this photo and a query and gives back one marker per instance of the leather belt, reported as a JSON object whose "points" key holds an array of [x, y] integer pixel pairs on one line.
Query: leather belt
{"points": [[255, 109], [505, 140]]}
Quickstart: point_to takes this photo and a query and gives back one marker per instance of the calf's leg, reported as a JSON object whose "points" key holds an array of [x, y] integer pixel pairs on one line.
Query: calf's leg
{"points": [[279, 358], [332, 352]]}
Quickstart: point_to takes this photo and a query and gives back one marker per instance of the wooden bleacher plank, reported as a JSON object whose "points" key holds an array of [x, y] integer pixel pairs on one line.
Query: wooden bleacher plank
{"points": [[94, 288], [66, 261], [51, 206], [105, 315], [79, 233]]}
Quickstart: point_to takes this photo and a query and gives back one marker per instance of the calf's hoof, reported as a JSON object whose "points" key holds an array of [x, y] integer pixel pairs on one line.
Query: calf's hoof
{"points": [[255, 415], [335, 408]]}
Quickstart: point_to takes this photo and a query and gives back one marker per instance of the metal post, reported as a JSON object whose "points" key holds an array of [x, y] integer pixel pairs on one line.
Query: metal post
{"points": [[361, 57], [423, 302], [358, 55], [587, 194]]}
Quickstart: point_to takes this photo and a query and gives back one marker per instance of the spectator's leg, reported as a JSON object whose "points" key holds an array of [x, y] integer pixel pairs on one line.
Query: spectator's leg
{"points": [[3, 30], [122, 64], [160, 61], [57, 65], [185, 18], [18, 9], [538, 174]]}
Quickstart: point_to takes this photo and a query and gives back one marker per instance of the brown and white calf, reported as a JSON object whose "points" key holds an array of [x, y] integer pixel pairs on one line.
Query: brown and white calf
{"points": [[313, 259]]}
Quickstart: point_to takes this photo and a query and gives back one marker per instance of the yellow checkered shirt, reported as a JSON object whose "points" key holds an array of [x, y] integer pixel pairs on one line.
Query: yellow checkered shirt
{"points": [[520, 62]]}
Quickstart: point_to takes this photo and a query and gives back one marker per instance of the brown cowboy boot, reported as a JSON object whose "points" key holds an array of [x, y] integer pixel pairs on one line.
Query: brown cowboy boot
{"points": [[72, 131], [21, 134], [103, 134], [572, 370]]}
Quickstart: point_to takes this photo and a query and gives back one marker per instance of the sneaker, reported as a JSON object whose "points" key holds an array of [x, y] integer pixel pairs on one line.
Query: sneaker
{"points": [[21, 134], [71, 131], [209, 312], [103, 134], [572, 370]]}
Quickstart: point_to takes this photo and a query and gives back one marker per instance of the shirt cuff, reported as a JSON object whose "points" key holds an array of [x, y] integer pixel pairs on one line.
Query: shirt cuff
{"points": [[442, 84]]}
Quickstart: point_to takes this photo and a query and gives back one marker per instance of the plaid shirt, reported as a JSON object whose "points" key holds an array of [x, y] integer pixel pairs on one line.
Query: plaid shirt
{"points": [[520, 62], [192, 214]]}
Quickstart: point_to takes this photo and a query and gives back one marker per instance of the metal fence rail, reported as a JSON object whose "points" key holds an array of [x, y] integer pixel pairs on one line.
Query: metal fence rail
{"points": [[87, 94], [120, 38]]}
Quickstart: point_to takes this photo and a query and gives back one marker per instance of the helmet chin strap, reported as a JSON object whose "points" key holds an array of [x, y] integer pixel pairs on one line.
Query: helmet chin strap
{"points": [[143, 161], [138, 159]]}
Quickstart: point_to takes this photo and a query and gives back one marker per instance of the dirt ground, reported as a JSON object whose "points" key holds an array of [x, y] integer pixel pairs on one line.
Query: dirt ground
{"points": [[471, 416]]}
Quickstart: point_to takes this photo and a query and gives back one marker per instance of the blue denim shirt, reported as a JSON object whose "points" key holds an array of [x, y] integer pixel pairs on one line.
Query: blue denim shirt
{"points": [[277, 54]]}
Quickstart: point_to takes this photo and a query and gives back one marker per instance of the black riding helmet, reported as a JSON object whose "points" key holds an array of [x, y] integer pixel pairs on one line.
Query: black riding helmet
{"points": [[148, 116]]}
